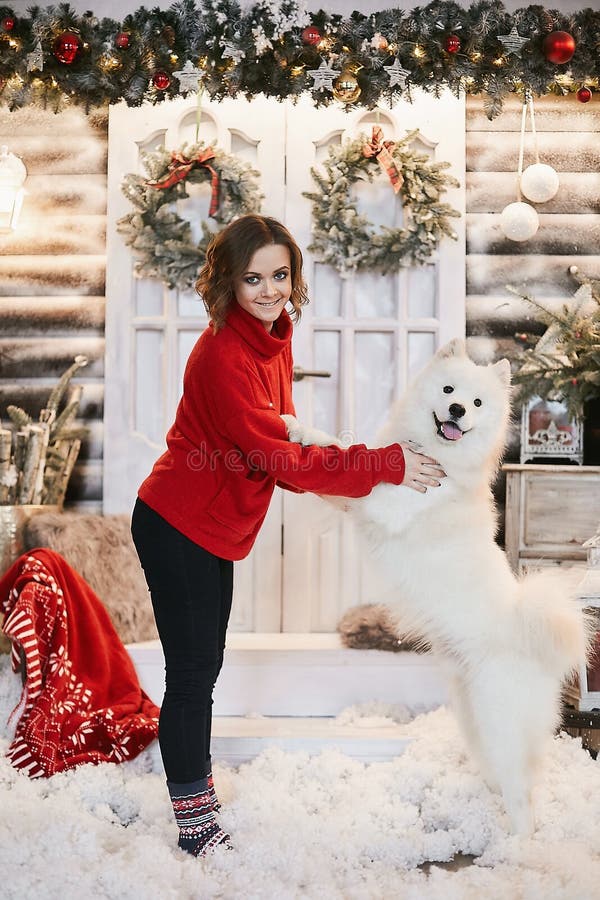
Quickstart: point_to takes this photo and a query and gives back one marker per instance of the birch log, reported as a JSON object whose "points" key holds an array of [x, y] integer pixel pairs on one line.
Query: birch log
{"points": [[33, 454], [5, 448], [56, 487], [38, 488]]}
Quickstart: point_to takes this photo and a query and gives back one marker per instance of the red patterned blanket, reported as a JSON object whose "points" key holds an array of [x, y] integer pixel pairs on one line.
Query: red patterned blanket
{"points": [[82, 701]]}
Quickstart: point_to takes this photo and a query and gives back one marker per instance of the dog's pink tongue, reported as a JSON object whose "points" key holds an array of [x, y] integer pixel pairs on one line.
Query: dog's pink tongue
{"points": [[451, 431]]}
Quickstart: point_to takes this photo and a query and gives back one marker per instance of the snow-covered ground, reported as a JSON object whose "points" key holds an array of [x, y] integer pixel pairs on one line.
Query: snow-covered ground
{"points": [[323, 827]]}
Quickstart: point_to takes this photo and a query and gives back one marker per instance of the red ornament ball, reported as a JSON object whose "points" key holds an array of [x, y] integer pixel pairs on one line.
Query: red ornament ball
{"points": [[66, 47], [311, 35], [122, 40], [584, 94], [559, 47], [452, 43], [8, 23], [161, 80]]}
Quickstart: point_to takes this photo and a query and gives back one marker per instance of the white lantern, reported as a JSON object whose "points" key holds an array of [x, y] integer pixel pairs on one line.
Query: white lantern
{"points": [[519, 221], [539, 183], [12, 175]]}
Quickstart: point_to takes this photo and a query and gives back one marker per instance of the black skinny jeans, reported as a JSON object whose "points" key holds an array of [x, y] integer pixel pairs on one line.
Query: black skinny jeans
{"points": [[191, 592]]}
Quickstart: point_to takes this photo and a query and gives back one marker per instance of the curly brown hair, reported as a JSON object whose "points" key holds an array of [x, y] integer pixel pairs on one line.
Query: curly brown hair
{"points": [[228, 256]]}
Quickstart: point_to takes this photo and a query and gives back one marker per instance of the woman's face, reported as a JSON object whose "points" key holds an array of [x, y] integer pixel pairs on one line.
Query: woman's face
{"points": [[266, 286]]}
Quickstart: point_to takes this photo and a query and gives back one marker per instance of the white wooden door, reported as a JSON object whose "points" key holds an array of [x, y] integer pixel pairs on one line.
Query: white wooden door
{"points": [[371, 332], [151, 330]]}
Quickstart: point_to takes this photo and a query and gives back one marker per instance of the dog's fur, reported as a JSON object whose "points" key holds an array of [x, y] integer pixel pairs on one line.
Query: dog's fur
{"points": [[372, 626], [507, 643]]}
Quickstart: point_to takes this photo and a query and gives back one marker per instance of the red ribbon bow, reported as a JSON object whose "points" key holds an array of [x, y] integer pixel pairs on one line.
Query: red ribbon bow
{"points": [[180, 167], [381, 150]]}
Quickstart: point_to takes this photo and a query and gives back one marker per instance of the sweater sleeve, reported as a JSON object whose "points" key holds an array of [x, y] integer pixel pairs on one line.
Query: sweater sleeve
{"points": [[261, 436]]}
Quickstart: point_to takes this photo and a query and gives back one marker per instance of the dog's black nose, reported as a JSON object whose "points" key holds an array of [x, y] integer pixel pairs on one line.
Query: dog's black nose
{"points": [[456, 410]]}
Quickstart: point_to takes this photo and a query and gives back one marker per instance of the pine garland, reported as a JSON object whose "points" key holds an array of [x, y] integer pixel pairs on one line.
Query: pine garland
{"points": [[346, 240], [162, 240], [564, 364], [260, 49]]}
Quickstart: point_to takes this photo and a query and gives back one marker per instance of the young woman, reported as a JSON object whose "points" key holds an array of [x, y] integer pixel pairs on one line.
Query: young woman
{"points": [[203, 504]]}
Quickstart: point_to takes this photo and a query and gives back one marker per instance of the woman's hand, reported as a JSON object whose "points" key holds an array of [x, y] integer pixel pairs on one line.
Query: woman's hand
{"points": [[421, 471]]}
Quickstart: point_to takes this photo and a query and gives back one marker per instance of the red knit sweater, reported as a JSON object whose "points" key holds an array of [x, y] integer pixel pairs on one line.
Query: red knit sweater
{"points": [[228, 446]]}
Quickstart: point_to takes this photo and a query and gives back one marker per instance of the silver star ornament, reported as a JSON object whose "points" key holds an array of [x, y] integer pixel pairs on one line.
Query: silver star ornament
{"points": [[188, 78], [230, 51], [397, 74], [512, 42], [323, 76], [35, 59]]}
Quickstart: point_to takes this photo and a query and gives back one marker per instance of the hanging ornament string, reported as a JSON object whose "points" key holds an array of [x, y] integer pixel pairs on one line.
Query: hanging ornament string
{"points": [[539, 182], [527, 107], [519, 221], [199, 109]]}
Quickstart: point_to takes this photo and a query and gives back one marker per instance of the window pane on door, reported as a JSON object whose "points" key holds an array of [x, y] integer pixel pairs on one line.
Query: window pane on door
{"points": [[326, 390], [374, 377], [149, 399], [421, 347], [189, 304], [374, 295], [422, 293], [326, 292], [149, 297]]}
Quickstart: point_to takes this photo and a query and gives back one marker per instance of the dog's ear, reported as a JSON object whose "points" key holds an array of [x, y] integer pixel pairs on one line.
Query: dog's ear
{"points": [[455, 347], [502, 370]]}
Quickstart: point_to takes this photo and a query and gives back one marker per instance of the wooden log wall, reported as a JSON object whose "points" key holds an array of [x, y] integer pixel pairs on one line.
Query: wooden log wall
{"points": [[52, 274], [52, 270], [569, 232]]}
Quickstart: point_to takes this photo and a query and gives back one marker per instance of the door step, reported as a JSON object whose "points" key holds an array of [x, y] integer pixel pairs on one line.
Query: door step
{"points": [[304, 675], [239, 739]]}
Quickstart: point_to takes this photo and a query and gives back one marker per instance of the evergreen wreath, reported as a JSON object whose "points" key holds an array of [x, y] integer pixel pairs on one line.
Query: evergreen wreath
{"points": [[159, 237], [347, 241]]}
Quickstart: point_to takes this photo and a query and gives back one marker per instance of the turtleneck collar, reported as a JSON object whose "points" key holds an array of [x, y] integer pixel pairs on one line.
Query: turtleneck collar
{"points": [[252, 330]]}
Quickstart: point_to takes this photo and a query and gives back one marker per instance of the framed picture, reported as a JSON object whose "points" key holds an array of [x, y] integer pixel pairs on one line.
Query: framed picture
{"points": [[548, 431]]}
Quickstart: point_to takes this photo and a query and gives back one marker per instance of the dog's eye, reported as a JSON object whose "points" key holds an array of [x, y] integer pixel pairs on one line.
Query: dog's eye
{"points": [[448, 389], [477, 402]]}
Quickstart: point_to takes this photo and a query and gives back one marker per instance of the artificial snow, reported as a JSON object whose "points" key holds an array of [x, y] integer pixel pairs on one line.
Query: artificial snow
{"points": [[323, 827]]}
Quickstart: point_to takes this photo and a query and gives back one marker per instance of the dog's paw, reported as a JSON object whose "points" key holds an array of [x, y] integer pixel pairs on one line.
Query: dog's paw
{"points": [[307, 436], [294, 429]]}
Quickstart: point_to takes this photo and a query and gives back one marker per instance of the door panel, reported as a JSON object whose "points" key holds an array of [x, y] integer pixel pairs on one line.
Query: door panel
{"points": [[151, 330], [372, 332]]}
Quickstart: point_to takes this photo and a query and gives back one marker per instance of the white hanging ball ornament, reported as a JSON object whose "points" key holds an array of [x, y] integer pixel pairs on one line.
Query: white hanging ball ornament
{"points": [[519, 221], [539, 183]]}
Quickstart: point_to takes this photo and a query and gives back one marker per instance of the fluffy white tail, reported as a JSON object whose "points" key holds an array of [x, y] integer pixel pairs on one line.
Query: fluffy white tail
{"points": [[554, 626]]}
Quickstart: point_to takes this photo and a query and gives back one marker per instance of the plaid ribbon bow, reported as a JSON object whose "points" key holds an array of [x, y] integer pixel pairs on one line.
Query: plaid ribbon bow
{"points": [[381, 150], [179, 168]]}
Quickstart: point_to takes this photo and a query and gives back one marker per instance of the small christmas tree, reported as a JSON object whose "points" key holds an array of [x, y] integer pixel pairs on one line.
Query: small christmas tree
{"points": [[564, 364]]}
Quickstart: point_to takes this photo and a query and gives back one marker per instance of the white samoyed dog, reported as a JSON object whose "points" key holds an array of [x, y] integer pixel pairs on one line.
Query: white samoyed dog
{"points": [[506, 642]]}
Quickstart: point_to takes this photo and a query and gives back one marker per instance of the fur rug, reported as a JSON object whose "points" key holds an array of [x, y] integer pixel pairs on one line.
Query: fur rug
{"points": [[101, 550], [372, 627]]}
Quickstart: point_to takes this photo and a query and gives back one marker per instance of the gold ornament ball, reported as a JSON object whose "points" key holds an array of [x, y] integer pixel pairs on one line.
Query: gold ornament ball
{"points": [[346, 88]]}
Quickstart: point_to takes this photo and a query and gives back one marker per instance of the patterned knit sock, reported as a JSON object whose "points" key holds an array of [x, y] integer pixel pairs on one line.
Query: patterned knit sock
{"points": [[216, 806], [199, 832]]}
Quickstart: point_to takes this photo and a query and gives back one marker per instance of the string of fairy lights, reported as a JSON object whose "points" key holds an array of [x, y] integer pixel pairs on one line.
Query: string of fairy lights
{"points": [[54, 57]]}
